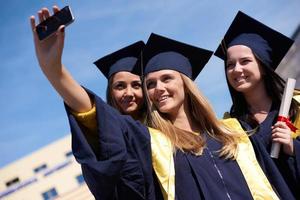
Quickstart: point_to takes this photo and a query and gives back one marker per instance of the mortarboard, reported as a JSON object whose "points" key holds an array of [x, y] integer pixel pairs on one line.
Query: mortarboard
{"points": [[267, 44], [164, 53], [124, 59]]}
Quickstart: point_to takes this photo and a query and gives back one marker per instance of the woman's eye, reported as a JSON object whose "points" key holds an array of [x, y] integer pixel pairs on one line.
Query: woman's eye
{"points": [[136, 85], [244, 62], [229, 65], [167, 79], [119, 86], [150, 85]]}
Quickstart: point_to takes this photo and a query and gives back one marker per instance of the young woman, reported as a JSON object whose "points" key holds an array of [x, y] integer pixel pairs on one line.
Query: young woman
{"points": [[124, 92], [194, 155], [251, 52], [124, 88]]}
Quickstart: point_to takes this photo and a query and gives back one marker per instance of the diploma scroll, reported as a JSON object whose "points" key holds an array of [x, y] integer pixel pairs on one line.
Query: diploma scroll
{"points": [[284, 111]]}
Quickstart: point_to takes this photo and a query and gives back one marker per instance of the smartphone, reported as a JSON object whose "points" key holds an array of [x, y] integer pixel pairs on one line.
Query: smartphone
{"points": [[51, 24]]}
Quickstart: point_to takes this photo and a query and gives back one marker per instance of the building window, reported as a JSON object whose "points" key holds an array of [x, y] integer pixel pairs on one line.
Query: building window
{"points": [[69, 154], [40, 168], [12, 182], [80, 179], [50, 194]]}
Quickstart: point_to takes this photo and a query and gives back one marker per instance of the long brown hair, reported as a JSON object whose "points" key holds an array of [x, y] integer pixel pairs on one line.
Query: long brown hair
{"points": [[202, 113]]}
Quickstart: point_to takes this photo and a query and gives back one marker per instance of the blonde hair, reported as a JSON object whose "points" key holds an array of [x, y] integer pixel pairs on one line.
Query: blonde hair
{"points": [[203, 114]]}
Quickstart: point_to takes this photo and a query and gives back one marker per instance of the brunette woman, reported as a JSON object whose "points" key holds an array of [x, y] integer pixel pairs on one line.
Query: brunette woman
{"points": [[251, 53]]}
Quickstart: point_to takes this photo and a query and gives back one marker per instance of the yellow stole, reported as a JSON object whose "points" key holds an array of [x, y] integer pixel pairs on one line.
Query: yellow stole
{"points": [[297, 121], [256, 179], [163, 164]]}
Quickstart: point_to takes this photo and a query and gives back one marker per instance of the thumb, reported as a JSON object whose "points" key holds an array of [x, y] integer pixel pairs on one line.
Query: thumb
{"points": [[61, 37], [33, 29]]}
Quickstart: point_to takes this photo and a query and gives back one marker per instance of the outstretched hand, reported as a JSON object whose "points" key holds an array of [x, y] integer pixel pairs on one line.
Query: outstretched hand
{"points": [[48, 51], [49, 55], [281, 133]]}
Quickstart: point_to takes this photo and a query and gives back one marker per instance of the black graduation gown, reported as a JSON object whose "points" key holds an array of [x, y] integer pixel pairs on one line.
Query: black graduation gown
{"points": [[121, 166], [283, 173], [208, 176]]}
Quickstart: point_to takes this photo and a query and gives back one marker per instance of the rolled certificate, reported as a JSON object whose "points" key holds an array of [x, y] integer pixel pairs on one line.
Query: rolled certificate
{"points": [[284, 111]]}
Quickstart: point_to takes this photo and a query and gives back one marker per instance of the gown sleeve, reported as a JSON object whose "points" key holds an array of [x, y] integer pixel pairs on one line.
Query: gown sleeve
{"points": [[88, 123], [118, 165]]}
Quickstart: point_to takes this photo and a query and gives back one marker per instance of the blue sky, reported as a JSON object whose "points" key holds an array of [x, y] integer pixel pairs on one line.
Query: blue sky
{"points": [[33, 114]]}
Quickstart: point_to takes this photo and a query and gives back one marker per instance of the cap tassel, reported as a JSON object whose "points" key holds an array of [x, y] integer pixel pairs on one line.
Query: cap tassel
{"points": [[224, 47]]}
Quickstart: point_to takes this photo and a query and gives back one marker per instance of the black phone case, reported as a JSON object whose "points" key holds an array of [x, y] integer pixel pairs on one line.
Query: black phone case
{"points": [[51, 24]]}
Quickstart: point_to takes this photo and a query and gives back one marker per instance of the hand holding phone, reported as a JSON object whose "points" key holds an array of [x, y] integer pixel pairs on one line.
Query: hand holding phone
{"points": [[52, 23]]}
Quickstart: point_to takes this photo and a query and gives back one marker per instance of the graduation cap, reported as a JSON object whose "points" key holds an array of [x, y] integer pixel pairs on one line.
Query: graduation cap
{"points": [[124, 59], [164, 53], [267, 44]]}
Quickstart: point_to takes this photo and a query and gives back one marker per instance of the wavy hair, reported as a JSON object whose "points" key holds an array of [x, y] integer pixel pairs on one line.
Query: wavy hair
{"points": [[203, 114]]}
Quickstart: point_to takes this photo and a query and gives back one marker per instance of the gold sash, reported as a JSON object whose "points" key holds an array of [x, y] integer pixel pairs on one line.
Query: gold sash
{"points": [[163, 164]]}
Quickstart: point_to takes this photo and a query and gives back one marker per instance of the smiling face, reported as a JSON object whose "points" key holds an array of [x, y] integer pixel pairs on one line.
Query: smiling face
{"points": [[243, 71], [165, 89], [127, 92]]}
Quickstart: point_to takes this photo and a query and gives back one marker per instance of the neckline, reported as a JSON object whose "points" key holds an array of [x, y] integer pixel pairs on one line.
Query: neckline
{"points": [[270, 113]]}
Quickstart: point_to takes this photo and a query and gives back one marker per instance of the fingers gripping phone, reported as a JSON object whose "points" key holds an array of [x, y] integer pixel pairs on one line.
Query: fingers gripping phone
{"points": [[51, 24]]}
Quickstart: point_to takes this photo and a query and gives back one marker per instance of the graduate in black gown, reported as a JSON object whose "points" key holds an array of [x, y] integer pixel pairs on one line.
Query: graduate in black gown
{"points": [[124, 92], [111, 165], [251, 52], [194, 156]]}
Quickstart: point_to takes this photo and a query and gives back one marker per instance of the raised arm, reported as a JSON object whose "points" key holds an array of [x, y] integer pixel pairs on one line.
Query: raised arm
{"points": [[49, 54]]}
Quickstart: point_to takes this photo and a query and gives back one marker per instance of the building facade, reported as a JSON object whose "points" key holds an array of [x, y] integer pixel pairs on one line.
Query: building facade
{"points": [[49, 173], [290, 65]]}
